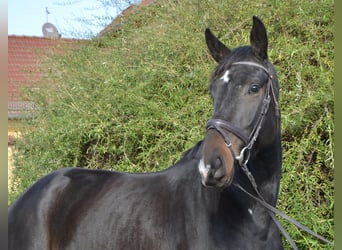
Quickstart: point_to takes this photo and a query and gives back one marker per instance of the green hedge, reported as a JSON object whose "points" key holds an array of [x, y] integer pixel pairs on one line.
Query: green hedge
{"points": [[138, 98]]}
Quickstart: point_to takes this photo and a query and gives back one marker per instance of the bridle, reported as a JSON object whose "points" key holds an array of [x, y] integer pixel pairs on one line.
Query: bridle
{"points": [[223, 128]]}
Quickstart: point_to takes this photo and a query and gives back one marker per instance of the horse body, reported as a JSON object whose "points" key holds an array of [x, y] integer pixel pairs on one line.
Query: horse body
{"points": [[92, 209], [191, 205]]}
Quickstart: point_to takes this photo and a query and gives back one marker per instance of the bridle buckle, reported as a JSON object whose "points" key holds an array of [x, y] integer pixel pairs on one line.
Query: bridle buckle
{"points": [[243, 158]]}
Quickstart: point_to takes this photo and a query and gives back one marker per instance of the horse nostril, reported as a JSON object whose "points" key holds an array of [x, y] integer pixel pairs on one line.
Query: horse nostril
{"points": [[218, 163], [217, 168]]}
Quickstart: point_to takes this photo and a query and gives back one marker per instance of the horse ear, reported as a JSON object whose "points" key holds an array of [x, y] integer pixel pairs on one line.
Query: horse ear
{"points": [[258, 38], [217, 49]]}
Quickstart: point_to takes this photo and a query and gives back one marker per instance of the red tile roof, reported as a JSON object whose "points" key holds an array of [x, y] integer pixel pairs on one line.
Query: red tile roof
{"points": [[24, 57], [26, 53]]}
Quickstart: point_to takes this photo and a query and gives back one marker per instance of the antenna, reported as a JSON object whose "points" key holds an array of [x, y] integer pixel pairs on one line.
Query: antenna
{"points": [[47, 14], [49, 30]]}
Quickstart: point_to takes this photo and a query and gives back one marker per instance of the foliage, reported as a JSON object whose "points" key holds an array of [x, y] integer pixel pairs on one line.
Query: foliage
{"points": [[94, 15], [138, 98]]}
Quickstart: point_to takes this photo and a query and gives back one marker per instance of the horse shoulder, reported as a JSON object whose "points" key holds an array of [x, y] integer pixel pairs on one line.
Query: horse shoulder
{"points": [[27, 215], [39, 218]]}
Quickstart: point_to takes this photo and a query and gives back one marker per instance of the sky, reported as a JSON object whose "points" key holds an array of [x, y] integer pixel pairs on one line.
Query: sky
{"points": [[27, 17]]}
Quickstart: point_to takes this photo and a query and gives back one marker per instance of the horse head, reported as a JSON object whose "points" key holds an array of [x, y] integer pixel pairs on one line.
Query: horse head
{"points": [[244, 88]]}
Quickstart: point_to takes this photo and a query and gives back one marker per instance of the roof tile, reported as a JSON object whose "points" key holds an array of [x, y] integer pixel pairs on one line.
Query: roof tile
{"points": [[24, 56]]}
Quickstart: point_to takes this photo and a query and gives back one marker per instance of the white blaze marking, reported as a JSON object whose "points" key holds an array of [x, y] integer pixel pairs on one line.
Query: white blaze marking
{"points": [[250, 211], [225, 76]]}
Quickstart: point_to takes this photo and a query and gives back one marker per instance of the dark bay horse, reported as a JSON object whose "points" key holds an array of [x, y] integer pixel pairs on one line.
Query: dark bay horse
{"points": [[191, 205]]}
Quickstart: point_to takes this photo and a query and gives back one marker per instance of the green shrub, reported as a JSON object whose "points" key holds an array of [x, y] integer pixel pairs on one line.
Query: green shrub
{"points": [[138, 98]]}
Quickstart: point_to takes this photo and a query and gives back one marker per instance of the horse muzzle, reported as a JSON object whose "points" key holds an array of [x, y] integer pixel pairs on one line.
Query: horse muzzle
{"points": [[214, 176], [216, 166]]}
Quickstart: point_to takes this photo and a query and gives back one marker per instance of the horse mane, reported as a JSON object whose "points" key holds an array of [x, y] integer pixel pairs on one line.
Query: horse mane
{"points": [[192, 153]]}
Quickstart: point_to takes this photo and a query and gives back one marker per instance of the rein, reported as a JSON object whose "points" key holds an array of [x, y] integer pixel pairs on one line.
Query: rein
{"points": [[222, 127]]}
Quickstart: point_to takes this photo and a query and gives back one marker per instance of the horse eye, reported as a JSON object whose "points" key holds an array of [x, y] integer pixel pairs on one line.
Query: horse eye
{"points": [[254, 88]]}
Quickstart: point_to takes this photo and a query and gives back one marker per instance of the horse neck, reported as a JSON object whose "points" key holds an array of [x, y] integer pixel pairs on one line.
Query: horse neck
{"points": [[265, 166]]}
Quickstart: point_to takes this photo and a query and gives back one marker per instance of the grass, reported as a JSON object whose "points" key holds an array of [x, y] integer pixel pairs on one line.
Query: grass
{"points": [[138, 98]]}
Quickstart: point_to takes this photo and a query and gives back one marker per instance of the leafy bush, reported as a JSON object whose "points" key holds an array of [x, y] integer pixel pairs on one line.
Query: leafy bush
{"points": [[138, 98]]}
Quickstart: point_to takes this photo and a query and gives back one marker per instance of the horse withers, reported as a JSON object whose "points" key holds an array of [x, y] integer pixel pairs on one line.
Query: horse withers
{"points": [[192, 204]]}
